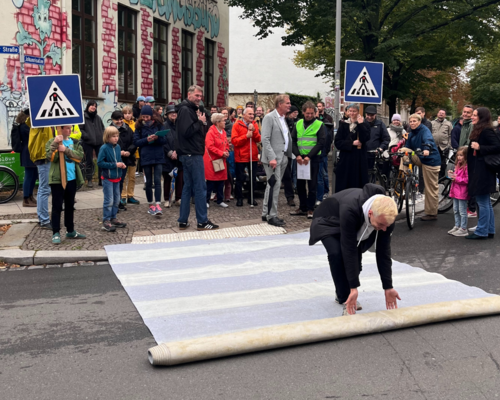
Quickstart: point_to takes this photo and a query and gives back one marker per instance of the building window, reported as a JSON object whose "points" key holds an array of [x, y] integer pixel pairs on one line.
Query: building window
{"points": [[127, 45], [187, 62], [84, 43], [160, 52], [209, 72]]}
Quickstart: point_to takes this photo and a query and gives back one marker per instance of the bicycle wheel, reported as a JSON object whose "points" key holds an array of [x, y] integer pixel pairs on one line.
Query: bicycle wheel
{"points": [[495, 197], [410, 197], [9, 184], [445, 203], [83, 167]]}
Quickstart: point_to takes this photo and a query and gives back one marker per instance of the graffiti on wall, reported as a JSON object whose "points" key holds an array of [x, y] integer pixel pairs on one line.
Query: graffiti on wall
{"points": [[200, 50], [146, 61], [176, 61], [223, 83], [195, 13]]}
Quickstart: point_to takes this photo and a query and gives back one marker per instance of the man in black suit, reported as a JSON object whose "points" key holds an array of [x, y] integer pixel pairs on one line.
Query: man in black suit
{"points": [[348, 223]]}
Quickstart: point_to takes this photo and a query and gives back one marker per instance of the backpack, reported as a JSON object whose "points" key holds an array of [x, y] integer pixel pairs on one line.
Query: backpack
{"points": [[15, 138]]}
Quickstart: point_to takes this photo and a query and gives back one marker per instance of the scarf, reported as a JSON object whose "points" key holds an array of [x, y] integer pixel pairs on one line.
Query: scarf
{"points": [[352, 125], [397, 129], [465, 133]]}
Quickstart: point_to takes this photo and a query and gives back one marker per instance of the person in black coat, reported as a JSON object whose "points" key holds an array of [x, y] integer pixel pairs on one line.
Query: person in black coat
{"points": [[127, 146], [136, 108], [171, 158], [351, 139], [348, 223], [482, 181], [379, 137], [30, 169], [92, 132]]}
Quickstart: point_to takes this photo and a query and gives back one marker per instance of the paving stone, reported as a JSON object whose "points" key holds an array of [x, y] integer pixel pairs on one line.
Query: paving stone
{"points": [[16, 235], [21, 268], [36, 267], [65, 265], [53, 266], [85, 263], [102, 263]]}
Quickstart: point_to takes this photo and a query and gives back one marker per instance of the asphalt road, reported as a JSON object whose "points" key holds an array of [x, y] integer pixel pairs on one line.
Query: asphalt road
{"points": [[72, 333]]}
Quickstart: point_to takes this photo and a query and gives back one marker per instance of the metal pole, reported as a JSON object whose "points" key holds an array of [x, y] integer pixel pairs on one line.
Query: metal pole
{"points": [[21, 60], [338, 25], [251, 174]]}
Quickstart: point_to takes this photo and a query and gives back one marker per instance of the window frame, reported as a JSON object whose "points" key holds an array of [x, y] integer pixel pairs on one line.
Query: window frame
{"points": [[83, 44], [209, 96], [184, 69], [126, 96], [158, 62]]}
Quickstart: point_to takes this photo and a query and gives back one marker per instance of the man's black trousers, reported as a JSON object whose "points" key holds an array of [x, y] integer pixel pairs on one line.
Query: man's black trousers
{"points": [[241, 178], [89, 159], [307, 200], [60, 196], [337, 268]]}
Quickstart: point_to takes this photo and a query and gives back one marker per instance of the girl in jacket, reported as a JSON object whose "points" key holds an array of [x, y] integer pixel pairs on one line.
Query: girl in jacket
{"points": [[30, 170], [459, 193], [110, 162], [216, 148], [482, 181], [152, 155], [129, 180]]}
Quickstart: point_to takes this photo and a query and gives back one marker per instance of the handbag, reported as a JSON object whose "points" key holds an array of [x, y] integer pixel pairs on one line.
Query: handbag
{"points": [[218, 164], [492, 161]]}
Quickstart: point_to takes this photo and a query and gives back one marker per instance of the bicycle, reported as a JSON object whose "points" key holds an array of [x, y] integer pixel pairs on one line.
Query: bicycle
{"points": [[410, 185], [374, 174], [9, 184], [83, 165]]}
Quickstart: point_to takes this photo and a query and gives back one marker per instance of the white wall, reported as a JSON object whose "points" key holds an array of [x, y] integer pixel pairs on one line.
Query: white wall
{"points": [[266, 65]]}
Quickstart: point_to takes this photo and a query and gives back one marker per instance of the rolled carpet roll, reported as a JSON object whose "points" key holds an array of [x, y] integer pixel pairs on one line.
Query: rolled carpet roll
{"points": [[274, 337]]}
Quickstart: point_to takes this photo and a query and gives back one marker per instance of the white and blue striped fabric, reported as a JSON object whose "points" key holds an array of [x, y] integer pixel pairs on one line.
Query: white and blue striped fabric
{"points": [[186, 290]]}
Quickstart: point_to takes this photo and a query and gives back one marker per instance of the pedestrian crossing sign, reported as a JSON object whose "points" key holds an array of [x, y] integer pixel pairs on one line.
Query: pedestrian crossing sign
{"points": [[55, 100], [364, 81]]}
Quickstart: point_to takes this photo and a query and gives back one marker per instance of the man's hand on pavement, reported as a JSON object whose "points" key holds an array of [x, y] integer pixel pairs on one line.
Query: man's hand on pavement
{"points": [[273, 164], [351, 303], [391, 297]]}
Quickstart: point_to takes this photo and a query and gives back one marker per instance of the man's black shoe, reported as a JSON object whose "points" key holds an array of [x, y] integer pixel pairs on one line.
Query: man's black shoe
{"points": [[264, 218], [239, 203], [275, 222], [254, 203], [290, 202]]}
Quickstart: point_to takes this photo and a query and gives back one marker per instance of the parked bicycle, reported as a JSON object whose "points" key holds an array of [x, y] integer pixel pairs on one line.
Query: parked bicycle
{"points": [[9, 184]]}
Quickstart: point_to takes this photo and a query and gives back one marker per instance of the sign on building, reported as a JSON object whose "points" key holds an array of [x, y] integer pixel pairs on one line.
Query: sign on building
{"points": [[364, 81], [9, 50], [55, 100]]}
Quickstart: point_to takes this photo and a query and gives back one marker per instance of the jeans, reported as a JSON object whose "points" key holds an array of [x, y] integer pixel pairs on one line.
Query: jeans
{"points": [[194, 182], [66, 196], [30, 177], [218, 188], [460, 212], [148, 174], [111, 191], [42, 198], [323, 182], [486, 218]]}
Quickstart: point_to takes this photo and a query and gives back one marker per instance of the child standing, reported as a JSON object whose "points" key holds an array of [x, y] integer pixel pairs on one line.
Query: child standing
{"points": [[459, 193], [73, 153], [111, 165], [129, 181]]}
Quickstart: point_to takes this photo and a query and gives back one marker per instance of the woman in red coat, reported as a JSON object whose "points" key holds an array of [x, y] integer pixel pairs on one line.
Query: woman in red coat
{"points": [[216, 148]]}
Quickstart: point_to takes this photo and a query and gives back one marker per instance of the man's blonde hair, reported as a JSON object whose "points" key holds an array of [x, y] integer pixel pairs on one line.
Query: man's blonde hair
{"points": [[415, 116], [281, 98], [109, 132], [127, 110], [386, 206]]}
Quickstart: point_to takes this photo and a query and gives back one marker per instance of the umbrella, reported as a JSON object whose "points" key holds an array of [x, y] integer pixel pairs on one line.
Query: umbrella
{"points": [[271, 182]]}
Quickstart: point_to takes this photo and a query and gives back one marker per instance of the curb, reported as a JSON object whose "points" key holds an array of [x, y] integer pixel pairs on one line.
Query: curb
{"points": [[32, 257]]}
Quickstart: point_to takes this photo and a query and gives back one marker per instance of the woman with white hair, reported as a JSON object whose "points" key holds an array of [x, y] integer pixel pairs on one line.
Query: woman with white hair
{"points": [[351, 138], [214, 160]]}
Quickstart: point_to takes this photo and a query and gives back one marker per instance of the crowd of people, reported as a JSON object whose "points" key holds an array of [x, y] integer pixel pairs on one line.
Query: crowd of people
{"points": [[215, 155]]}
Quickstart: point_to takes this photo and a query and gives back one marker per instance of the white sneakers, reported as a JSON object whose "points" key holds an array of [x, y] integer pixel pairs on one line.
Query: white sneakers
{"points": [[223, 205], [456, 231], [208, 205]]}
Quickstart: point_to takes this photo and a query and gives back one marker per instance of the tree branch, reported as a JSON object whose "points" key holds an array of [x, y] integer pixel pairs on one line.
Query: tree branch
{"points": [[386, 15], [412, 15]]}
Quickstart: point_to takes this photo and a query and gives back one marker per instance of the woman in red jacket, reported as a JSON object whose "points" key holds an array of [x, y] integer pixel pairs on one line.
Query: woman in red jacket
{"points": [[241, 133], [216, 149]]}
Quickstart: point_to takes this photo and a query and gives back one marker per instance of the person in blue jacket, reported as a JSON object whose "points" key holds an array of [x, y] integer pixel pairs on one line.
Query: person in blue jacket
{"points": [[152, 155], [421, 138]]}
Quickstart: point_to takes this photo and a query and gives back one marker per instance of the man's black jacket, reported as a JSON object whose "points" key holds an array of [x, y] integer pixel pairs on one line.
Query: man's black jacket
{"points": [[190, 132], [341, 215], [379, 137]]}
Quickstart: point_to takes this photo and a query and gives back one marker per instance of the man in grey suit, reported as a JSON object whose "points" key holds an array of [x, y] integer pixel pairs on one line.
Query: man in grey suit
{"points": [[276, 148]]}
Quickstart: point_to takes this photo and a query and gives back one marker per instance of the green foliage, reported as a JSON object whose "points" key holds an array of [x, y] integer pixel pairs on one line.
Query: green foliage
{"points": [[298, 100], [407, 35], [485, 81]]}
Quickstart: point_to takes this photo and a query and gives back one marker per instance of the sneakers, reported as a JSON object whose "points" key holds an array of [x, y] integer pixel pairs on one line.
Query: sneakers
{"points": [[317, 203], [223, 205], [108, 227], [473, 229], [167, 204], [75, 235], [454, 229], [310, 215], [208, 205], [118, 224], [159, 211], [56, 238], [90, 184], [178, 203], [121, 206], [133, 201], [207, 226], [152, 209], [471, 214], [460, 232], [123, 202], [47, 225], [184, 225]]}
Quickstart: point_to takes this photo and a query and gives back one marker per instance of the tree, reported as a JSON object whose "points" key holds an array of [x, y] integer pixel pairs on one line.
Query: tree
{"points": [[407, 35], [485, 81]]}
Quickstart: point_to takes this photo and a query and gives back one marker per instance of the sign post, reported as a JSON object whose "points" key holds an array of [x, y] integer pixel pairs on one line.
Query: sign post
{"points": [[55, 100], [364, 82]]}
